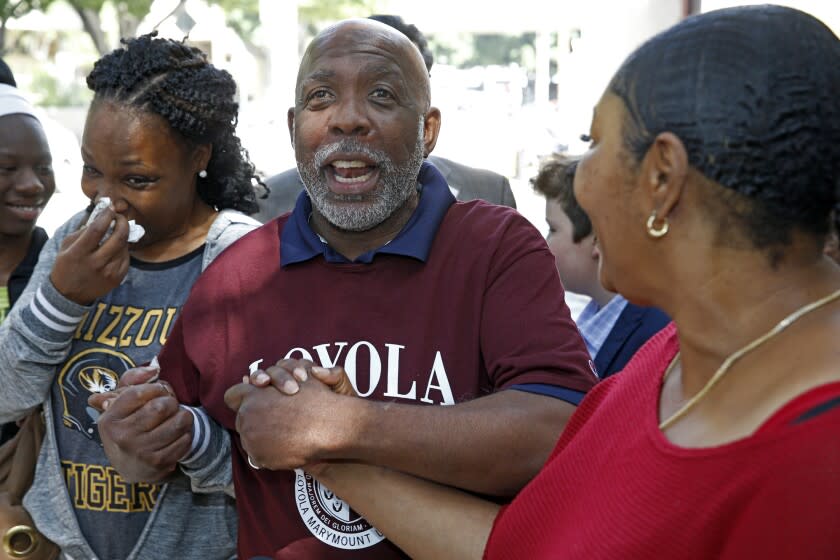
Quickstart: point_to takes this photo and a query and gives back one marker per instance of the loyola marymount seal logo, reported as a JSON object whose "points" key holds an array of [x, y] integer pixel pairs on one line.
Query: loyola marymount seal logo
{"points": [[330, 519]]}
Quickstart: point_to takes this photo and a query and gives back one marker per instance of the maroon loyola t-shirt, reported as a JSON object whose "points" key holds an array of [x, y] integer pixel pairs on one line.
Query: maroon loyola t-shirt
{"points": [[485, 311]]}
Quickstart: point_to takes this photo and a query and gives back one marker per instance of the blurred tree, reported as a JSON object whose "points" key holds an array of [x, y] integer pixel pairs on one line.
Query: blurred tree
{"points": [[311, 12], [496, 48], [12, 9], [451, 47], [243, 16], [51, 92], [129, 13], [466, 50], [313, 15]]}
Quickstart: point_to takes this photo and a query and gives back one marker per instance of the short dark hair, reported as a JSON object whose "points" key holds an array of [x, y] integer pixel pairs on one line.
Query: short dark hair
{"points": [[556, 181], [175, 81], [6, 76], [411, 32], [764, 125]]}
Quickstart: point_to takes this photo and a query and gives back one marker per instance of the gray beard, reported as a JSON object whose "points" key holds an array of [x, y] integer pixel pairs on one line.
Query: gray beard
{"points": [[396, 185]]}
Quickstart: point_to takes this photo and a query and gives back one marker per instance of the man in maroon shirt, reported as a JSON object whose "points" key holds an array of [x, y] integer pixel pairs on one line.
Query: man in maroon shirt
{"points": [[422, 300]]}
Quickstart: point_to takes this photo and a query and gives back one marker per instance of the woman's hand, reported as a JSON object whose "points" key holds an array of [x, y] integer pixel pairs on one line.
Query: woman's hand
{"points": [[143, 429], [286, 376], [84, 270]]}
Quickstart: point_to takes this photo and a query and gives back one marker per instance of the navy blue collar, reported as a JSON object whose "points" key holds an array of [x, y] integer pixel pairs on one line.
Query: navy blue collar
{"points": [[299, 243]]}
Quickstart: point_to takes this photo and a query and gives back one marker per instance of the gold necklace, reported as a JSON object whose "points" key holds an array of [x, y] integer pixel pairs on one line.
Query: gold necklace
{"points": [[727, 363]]}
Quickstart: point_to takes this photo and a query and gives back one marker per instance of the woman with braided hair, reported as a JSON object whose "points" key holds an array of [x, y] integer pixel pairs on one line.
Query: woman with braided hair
{"points": [[162, 162]]}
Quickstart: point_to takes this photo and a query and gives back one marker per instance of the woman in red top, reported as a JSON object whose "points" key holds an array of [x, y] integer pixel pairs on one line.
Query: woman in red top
{"points": [[712, 172]]}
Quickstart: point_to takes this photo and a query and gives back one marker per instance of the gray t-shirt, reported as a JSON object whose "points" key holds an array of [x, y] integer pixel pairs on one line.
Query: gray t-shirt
{"points": [[126, 328]]}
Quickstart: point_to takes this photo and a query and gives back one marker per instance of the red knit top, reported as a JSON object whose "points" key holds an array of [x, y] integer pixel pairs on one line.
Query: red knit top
{"points": [[616, 488]]}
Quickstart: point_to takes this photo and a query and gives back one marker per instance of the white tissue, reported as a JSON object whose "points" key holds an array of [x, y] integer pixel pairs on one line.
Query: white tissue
{"points": [[135, 230]]}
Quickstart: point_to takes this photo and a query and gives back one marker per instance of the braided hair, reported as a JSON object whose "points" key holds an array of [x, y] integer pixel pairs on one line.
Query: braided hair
{"points": [[176, 82]]}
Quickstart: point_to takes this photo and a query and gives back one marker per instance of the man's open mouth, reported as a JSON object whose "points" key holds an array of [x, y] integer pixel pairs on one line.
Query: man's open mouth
{"points": [[352, 171]]}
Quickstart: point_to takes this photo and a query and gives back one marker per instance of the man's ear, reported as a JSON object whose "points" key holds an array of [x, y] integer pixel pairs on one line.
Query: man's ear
{"points": [[431, 129], [664, 171], [290, 119]]}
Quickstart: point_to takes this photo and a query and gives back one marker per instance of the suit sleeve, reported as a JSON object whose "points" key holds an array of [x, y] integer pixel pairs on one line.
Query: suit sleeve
{"points": [[284, 189], [507, 193]]}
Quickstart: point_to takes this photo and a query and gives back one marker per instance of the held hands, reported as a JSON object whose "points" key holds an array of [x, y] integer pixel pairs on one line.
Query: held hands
{"points": [[85, 270], [278, 432], [143, 429], [287, 375]]}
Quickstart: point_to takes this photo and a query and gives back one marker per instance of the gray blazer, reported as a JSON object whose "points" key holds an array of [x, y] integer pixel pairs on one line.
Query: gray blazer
{"points": [[466, 183]]}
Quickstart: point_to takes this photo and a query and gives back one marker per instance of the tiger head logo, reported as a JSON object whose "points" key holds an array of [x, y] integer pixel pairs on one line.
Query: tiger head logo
{"points": [[97, 379], [95, 370]]}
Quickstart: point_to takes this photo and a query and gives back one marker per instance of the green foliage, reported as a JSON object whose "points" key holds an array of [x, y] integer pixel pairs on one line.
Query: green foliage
{"points": [[465, 50], [137, 8], [53, 93], [451, 48], [311, 12], [244, 15], [18, 8], [94, 5]]}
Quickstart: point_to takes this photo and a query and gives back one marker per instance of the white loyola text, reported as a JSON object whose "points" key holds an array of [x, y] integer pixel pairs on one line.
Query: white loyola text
{"points": [[437, 382]]}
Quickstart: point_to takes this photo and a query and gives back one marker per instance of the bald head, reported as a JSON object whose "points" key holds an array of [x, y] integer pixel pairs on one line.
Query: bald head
{"points": [[366, 37]]}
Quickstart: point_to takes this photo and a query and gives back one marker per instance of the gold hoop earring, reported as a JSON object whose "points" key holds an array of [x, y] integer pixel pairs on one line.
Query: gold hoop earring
{"points": [[651, 226]]}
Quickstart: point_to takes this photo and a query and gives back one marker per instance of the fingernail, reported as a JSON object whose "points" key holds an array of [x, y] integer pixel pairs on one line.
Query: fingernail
{"points": [[106, 404], [320, 370], [301, 374], [166, 388], [246, 380], [262, 378], [290, 387]]}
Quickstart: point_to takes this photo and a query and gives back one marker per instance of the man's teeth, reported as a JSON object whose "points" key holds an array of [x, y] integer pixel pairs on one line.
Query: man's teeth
{"points": [[359, 179], [344, 164], [351, 164], [27, 208]]}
